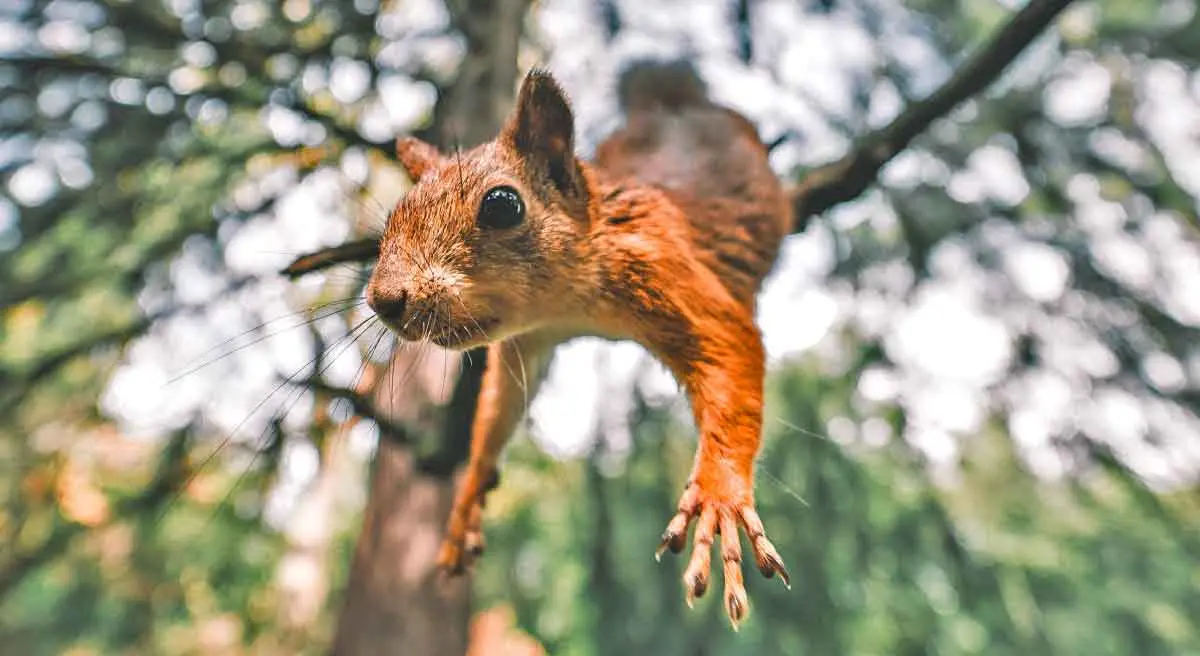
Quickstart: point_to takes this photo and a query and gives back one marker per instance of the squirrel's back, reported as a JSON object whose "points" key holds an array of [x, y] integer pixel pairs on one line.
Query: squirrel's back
{"points": [[645, 85], [709, 160]]}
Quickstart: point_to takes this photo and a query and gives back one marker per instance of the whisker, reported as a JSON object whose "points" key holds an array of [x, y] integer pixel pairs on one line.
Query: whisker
{"points": [[422, 351], [293, 398], [804, 431], [367, 359], [784, 486], [229, 435], [315, 308], [445, 375], [462, 185], [524, 377], [391, 370], [367, 362], [346, 272], [365, 202], [523, 380], [350, 304], [778, 481]]}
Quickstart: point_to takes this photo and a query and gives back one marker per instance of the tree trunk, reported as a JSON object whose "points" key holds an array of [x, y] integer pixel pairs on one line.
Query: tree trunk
{"points": [[396, 602]]}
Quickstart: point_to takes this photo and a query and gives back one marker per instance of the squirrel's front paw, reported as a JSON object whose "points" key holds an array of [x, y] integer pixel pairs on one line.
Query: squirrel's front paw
{"points": [[721, 514], [463, 542], [464, 531]]}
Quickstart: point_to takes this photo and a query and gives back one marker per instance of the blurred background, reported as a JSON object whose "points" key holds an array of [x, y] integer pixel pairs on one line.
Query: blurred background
{"points": [[982, 430]]}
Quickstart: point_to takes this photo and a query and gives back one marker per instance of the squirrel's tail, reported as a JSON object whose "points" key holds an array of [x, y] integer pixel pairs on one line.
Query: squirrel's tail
{"points": [[670, 85]]}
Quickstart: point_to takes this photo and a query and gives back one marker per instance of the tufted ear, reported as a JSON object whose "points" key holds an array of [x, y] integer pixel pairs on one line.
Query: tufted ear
{"points": [[542, 131], [416, 156]]}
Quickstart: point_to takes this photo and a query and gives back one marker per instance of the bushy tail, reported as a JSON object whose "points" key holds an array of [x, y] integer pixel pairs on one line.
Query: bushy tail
{"points": [[670, 85]]}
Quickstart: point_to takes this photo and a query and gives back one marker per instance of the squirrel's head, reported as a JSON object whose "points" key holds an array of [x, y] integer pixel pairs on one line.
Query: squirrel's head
{"points": [[475, 251]]}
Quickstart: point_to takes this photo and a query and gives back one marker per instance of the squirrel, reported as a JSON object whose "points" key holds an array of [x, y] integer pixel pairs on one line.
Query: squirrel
{"points": [[664, 239]]}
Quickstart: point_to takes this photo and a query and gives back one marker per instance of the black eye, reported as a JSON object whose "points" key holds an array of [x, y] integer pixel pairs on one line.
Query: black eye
{"points": [[502, 207]]}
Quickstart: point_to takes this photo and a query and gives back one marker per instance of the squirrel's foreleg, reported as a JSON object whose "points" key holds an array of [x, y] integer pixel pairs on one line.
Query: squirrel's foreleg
{"points": [[515, 369]]}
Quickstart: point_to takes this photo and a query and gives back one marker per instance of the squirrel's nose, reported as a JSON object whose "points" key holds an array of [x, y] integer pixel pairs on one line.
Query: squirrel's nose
{"points": [[388, 305]]}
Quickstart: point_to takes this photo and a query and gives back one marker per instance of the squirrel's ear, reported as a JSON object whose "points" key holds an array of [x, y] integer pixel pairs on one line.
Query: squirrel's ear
{"points": [[416, 156], [542, 131]]}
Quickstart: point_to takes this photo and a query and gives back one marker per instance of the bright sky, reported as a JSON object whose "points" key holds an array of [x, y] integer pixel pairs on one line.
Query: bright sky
{"points": [[948, 343]]}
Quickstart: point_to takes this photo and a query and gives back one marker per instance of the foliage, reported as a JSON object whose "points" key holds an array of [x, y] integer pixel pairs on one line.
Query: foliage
{"points": [[149, 149], [883, 561]]}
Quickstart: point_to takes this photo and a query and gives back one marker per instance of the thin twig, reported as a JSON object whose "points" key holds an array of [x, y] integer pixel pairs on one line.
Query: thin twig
{"points": [[361, 250], [847, 178], [362, 406]]}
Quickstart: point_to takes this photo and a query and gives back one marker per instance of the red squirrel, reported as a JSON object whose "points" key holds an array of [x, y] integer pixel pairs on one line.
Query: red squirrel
{"points": [[664, 239]]}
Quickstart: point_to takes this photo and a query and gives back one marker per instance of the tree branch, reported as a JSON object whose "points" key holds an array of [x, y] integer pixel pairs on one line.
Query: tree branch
{"points": [[847, 178], [362, 406], [16, 386], [361, 250]]}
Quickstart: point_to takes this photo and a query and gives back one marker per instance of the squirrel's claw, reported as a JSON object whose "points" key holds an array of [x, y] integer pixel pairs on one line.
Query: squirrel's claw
{"points": [[675, 536], [765, 555], [460, 548], [715, 517]]}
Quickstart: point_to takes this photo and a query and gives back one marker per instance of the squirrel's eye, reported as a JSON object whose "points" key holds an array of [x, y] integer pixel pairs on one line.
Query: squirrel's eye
{"points": [[502, 207]]}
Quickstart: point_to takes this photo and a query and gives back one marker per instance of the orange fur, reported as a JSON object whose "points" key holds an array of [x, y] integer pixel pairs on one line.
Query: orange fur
{"points": [[664, 240]]}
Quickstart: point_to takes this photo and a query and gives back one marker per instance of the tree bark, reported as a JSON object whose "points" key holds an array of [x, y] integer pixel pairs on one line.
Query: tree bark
{"points": [[396, 602]]}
